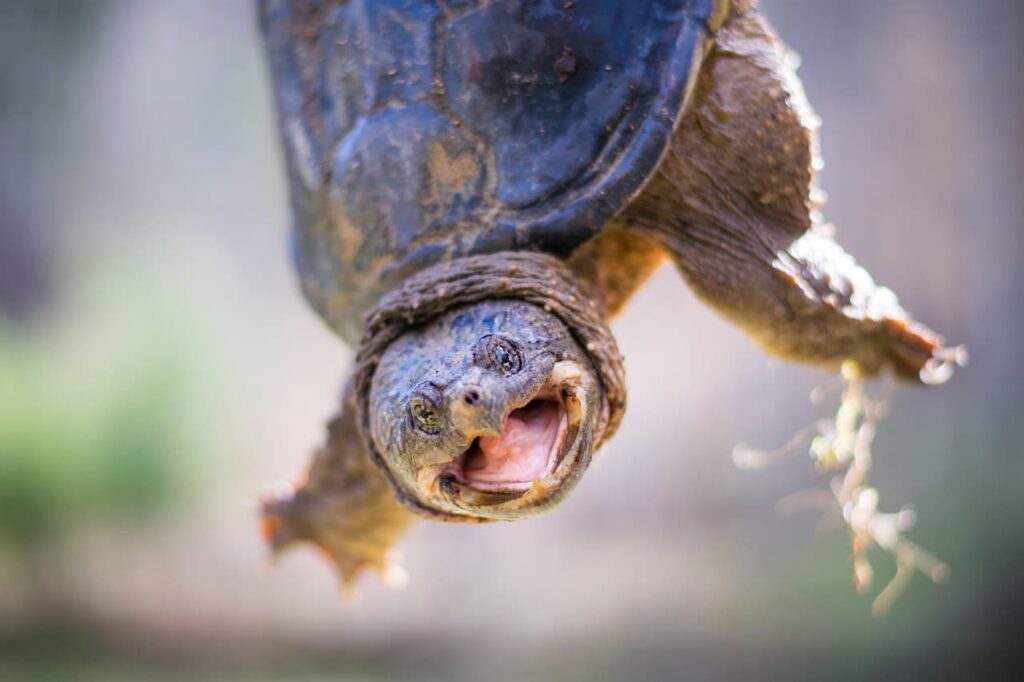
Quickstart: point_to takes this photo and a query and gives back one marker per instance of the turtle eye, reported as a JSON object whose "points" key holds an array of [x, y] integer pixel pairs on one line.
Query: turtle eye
{"points": [[424, 414], [500, 353]]}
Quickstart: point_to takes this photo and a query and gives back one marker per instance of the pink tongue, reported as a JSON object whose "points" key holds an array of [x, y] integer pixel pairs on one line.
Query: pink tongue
{"points": [[521, 453]]}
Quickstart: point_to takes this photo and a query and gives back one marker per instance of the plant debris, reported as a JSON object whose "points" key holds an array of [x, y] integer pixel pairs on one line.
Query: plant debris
{"points": [[842, 446]]}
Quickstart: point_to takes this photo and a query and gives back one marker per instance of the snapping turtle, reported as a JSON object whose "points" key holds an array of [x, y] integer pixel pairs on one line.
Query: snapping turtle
{"points": [[477, 186]]}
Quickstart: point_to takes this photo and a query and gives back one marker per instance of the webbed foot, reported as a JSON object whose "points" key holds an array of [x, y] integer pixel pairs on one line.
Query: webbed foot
{"points": [[345, 506]]}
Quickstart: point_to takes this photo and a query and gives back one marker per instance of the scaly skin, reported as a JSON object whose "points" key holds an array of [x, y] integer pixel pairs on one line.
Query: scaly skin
{"points": [[735, 204]]}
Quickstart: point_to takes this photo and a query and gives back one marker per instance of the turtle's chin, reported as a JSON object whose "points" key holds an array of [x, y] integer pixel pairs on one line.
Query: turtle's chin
{"points": [[534, 462]]}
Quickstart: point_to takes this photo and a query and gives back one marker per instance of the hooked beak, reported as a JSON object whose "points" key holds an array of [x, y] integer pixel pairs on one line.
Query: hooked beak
{"points": [[473, 416]]}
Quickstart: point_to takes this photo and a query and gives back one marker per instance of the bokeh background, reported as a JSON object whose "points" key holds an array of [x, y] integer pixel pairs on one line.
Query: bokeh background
{"points": [[158, 371]]}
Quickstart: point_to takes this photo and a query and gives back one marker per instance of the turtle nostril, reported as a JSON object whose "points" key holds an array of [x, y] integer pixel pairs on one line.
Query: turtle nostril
{"points": [[471, 397]]}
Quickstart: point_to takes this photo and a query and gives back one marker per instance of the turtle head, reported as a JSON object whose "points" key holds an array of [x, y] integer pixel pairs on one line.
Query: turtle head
{"points": [[488, 411]]}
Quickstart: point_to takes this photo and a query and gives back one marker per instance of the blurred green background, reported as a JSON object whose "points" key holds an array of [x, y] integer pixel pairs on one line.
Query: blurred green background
{"points": [[158, 371]]}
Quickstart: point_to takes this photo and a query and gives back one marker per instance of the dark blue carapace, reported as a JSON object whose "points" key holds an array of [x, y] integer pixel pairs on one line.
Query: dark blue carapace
{"points": [[419, 131]]}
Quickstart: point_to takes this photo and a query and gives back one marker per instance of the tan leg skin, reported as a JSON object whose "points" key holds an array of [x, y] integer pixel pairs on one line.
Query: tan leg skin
{"points": [[735, 204], [616, 263], [345, 506]]}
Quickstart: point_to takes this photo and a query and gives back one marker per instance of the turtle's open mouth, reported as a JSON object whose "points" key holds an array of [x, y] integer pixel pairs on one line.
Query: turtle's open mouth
{"points": [[536, 442], [527, 450]]}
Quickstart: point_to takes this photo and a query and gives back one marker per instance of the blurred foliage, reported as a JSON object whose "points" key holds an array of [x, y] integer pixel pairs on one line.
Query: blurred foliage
{"points": [[841, 446], [95, 420]]}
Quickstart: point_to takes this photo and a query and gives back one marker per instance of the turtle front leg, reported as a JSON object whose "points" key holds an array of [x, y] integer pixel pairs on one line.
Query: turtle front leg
{"points": [[345, 506], [735, 203]]}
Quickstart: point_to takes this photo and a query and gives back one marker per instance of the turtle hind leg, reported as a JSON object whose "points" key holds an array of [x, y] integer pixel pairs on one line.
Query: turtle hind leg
{"points": [[735, 203], [345, 506]]}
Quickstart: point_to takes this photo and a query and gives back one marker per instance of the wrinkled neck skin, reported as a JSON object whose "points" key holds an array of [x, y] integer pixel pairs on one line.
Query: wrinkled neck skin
{"points": [[488, 412]]}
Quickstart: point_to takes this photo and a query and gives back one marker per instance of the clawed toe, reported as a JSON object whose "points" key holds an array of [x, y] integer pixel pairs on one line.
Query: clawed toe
{"points": [[916, 354]]}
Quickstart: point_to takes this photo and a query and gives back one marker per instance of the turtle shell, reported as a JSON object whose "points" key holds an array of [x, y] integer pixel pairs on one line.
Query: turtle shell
{"points": [[420, 131]]}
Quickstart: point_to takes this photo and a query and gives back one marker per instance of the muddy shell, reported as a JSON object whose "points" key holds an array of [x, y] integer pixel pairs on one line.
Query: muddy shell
{"points": [[417, 132]]}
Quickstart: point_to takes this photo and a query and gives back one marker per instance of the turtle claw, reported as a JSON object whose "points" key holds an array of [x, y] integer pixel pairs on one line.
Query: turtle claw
{"points": [[916, 353], [940, 367], [354, 534], [344, 507]]}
